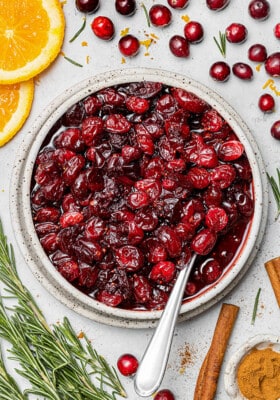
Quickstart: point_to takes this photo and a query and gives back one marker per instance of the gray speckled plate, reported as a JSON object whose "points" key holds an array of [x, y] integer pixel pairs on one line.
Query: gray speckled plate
{"points": [[27, 237]]}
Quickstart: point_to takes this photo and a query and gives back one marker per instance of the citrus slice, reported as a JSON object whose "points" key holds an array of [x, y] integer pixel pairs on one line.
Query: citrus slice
{"points": [[31, 35], [15, 105]]}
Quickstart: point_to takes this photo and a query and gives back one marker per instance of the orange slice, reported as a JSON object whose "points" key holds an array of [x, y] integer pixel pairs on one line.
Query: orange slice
{"points": [[31, 36], [15, 105]]}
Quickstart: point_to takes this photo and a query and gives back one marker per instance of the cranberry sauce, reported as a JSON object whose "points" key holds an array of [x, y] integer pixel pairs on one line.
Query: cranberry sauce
{"points": [[129, 182]]}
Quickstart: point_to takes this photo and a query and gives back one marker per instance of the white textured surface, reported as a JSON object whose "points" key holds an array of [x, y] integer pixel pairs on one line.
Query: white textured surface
{"points": [[243, 96]]}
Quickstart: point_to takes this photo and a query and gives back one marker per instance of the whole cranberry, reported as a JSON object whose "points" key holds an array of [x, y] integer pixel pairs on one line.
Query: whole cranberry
{"points": [[220, 71], [242, 71], [87, 6], [272, 64], [125, 7], [276, 30], [257, 52], [103, 27], [164, 394], [259, 9], [127, 364], [179, 4], [236, 33], [129, 45], [275, 130], [193, 31], [217, 4], [266, 103], [160, 15], [179, 46]]}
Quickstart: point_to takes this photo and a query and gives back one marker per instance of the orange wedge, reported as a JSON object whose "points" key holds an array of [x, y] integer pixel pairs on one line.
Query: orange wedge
{"points": [[31, 36], [15, 105]]}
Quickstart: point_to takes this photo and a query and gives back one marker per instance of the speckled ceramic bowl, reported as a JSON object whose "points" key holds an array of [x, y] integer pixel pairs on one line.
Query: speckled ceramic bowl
{"points": [[29, 242], [257, 342]]}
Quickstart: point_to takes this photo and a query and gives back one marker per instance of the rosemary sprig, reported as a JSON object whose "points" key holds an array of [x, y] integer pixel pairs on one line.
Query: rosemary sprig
{"points": [[146, 14], [275, 186], [8, 387], [221, 43], [56, 363], [255, 309], [79, 31]]}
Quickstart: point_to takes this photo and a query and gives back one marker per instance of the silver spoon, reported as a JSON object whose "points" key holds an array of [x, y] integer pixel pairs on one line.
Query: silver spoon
{"points": [[153, 364]]}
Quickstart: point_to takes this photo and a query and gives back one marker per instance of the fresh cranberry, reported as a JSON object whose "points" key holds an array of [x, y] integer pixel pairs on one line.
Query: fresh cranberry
{"points": [[103, 27], [127, 364], [129, 45], [276, 30], [179, 46], [220, 71], [242, 71], [217, 4], [180, 4], [236, 33], [164, 394], [275, 130], [272, 64], [257, 52], [266, 103], [259, 9], [125, 7], [193, 32], [87, 6], [160, 15]]}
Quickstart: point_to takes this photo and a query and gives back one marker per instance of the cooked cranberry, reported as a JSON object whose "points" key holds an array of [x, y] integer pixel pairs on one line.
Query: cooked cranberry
{"points": [[163, 272], [199, 177], [216, 219], [127, 364], [220, 71], [236, 33], [142, 288], [217, 4], [110, 299], [212, 121], [70, 218], [242, 71], [117, 123], [211, 271], [276, 30], [204, 241], [164, 394], [160, 15], [272, 64], [230, 150], [87, 6], [259, 9], [275, 130], [223, 175], [170, 240], [189, 101], [257, 52], [193, 32], [137, 104], [47, 214], [178, 4], [103, 27], [266, 103], [74, 115], [129, 45], [179, 46], [125, 7], [130, 258]]}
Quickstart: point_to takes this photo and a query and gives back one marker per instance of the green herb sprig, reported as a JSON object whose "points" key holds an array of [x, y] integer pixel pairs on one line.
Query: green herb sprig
{"points": [[255, 309], [79, 31], [221, 43], [275, 186], [146, 14], [57, 364]]}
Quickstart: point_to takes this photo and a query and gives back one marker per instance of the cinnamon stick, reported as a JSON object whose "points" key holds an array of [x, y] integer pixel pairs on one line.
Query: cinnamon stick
{"points": [[206, 384], [273, 270]]}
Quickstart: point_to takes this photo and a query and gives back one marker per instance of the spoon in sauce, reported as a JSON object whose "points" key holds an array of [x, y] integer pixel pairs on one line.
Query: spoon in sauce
{"points": [[153, 364]]}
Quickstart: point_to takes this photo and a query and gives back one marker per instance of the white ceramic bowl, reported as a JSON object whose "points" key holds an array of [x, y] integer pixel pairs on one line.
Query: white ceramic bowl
{"points": [[260, 342], [27, 237]]}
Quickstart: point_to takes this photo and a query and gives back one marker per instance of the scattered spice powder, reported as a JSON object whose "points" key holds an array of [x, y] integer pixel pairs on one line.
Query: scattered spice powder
{"points": [[258, 375], [186, 356]]}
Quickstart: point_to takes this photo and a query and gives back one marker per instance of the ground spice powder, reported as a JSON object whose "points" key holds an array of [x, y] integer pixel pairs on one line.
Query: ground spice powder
{"points": [[258, 375]]}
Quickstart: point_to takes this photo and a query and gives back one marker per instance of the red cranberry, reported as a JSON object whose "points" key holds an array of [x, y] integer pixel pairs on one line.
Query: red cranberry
{"points": [[230, 150], [127, 364], [266, 103], [272, 64], [179, 46], [216, 219], [276, 30], [211, 271], [129, 45], [180, 4], [160, 15], [236, 33], [220, 71], [217, 4], [204, 241], [163, 272], [242, 71], [275, 130], [87, 6], [257, 52], [193, 32], [259, 9], [103, 27], [125, 7], [164, 394]]}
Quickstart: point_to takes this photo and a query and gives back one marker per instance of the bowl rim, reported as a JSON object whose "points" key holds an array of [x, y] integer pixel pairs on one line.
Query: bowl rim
{"points": [[29, 242]]}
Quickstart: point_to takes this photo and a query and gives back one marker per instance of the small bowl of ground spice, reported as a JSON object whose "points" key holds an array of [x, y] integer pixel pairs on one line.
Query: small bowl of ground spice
{"points": [[253, 372]]}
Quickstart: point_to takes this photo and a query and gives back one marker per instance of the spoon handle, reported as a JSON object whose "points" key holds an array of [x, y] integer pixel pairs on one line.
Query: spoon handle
{"points": [[152, 366]]}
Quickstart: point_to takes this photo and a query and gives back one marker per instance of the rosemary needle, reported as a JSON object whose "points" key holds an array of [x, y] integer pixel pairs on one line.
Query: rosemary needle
{"points": [[221, 43], [79, 31], [146, 14], [256, 303], [275, 186]]}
